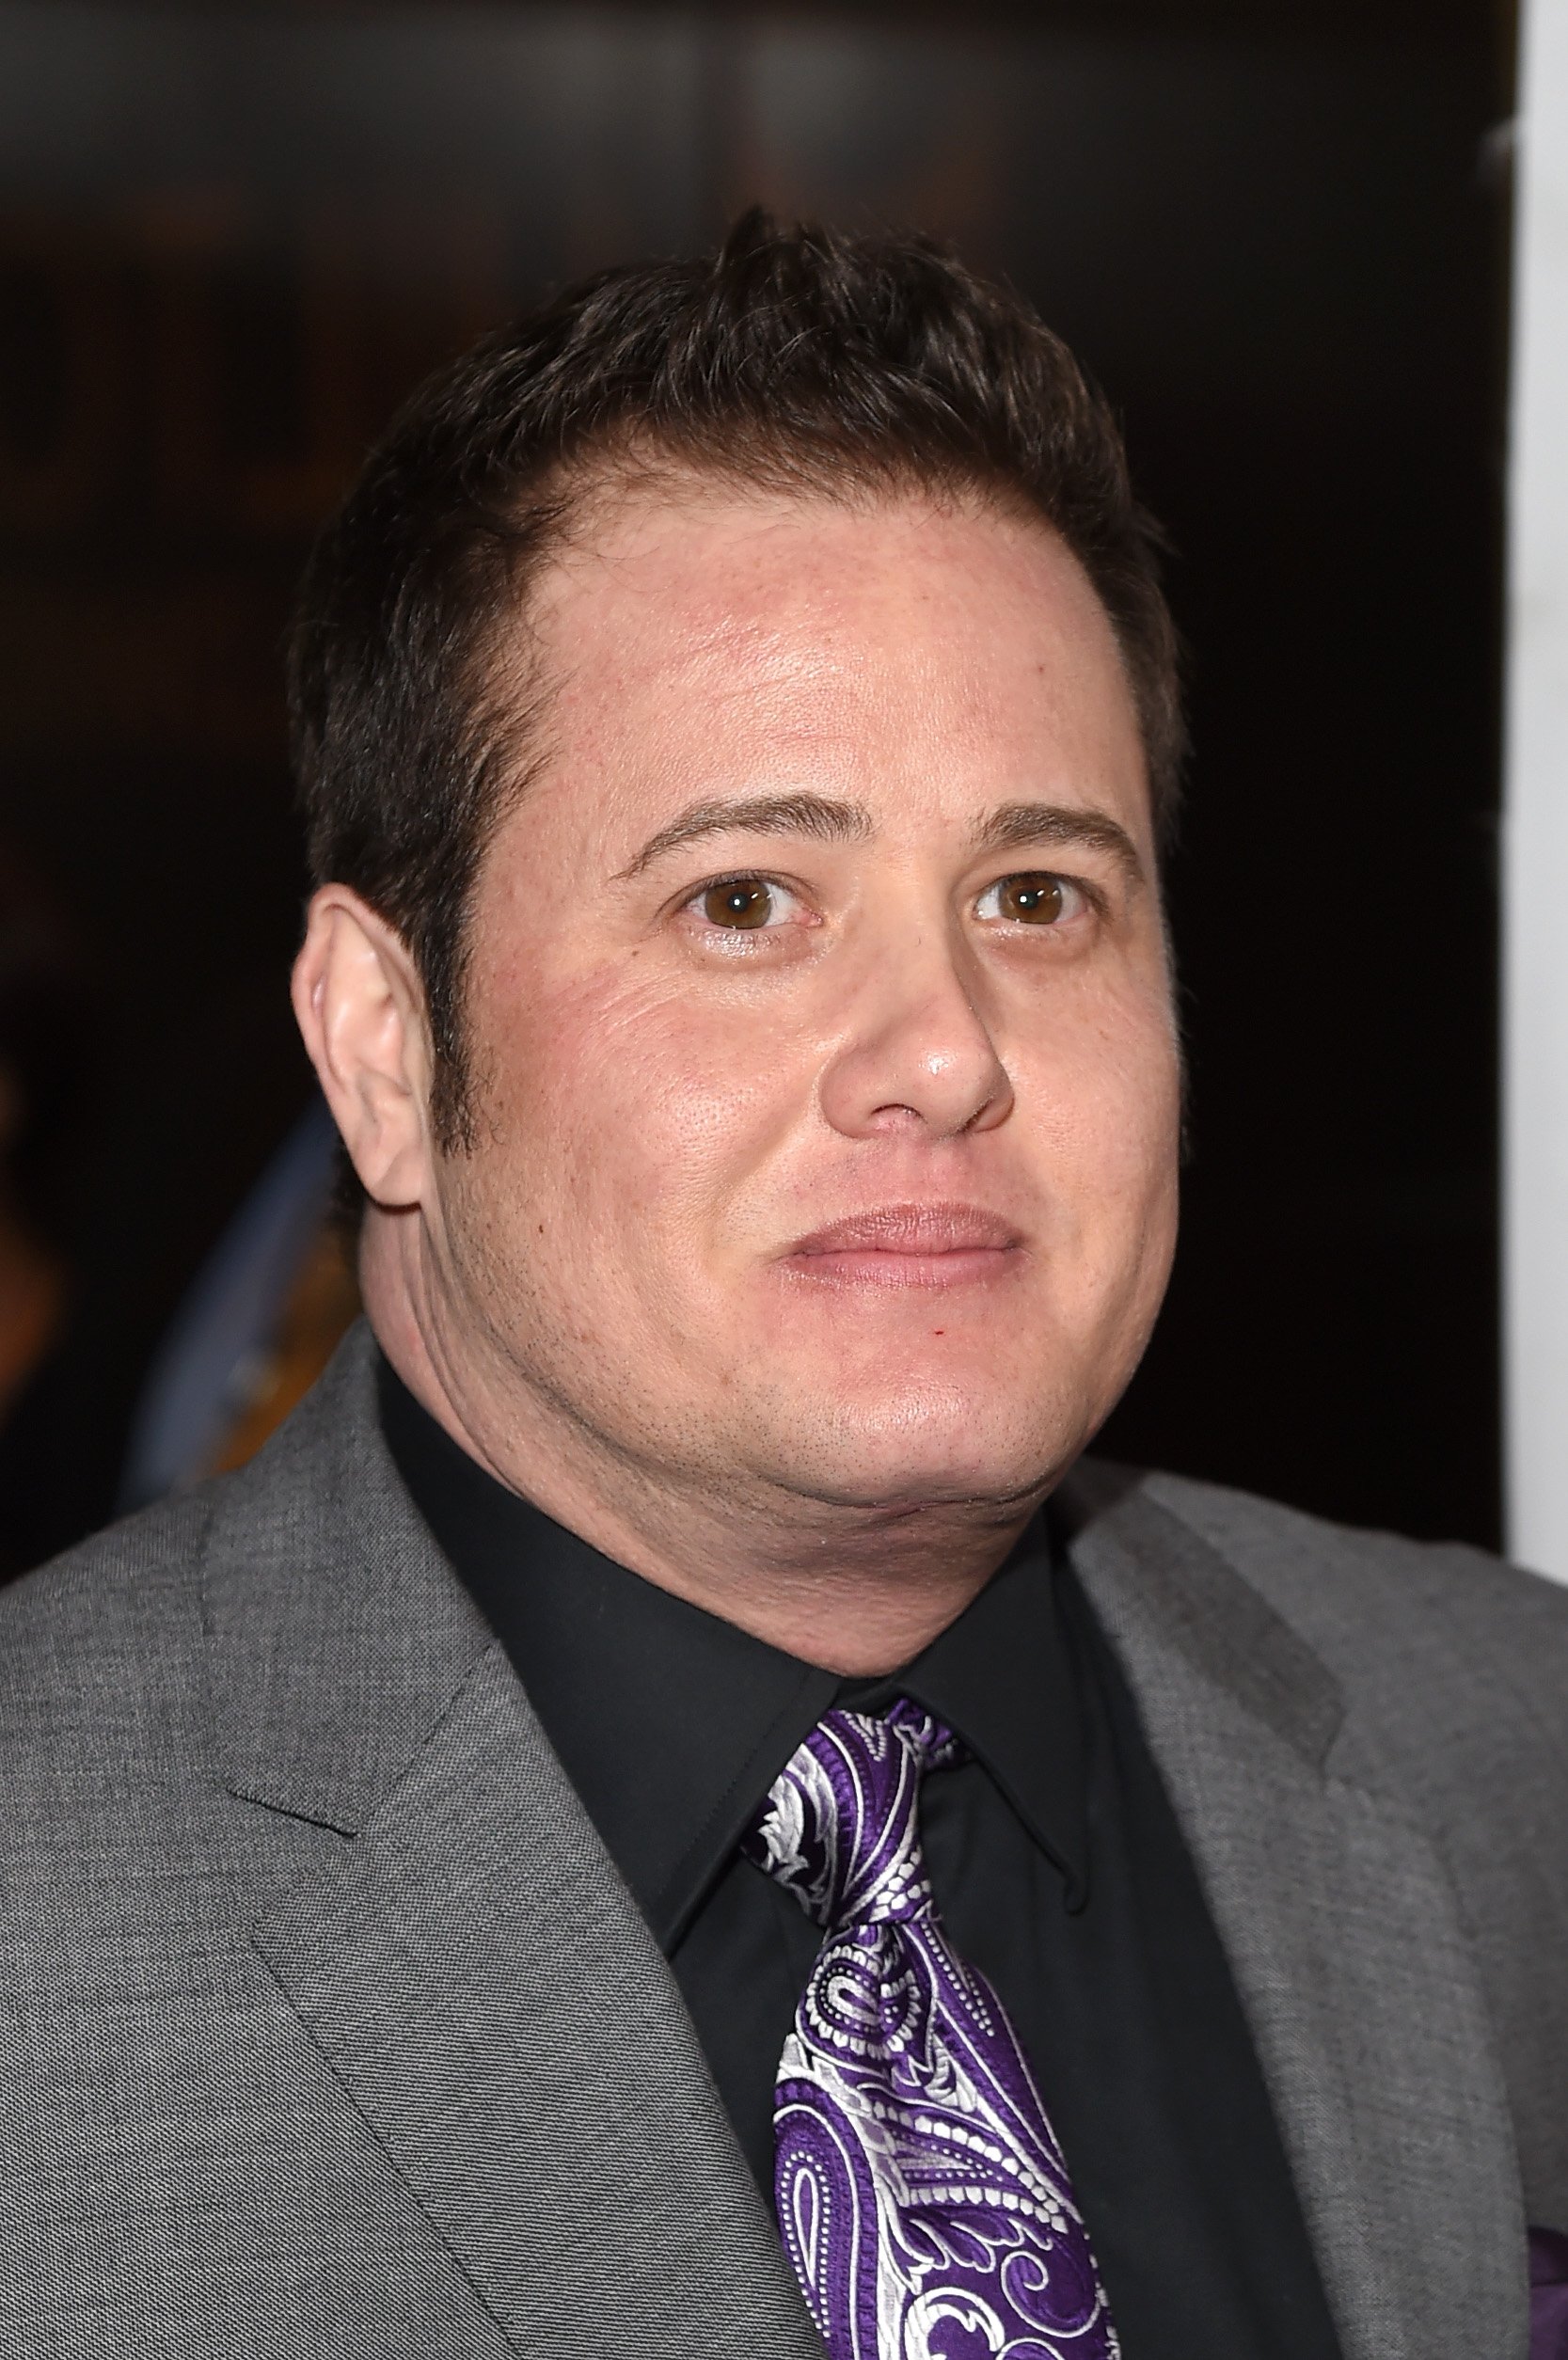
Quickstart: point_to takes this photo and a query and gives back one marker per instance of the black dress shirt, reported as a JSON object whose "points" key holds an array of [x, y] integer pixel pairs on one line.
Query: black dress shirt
{"points": [[1056, 1859]]}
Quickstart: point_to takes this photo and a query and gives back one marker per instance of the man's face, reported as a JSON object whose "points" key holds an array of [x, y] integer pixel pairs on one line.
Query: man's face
{"points": [[818, 1010]]}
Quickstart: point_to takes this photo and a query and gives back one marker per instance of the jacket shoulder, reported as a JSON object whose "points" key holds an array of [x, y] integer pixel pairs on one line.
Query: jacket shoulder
{"points": [[120, 1824], [103, 1727], [1347, 1588], [108, 1616], [123, 1611], [1453, 1665]]}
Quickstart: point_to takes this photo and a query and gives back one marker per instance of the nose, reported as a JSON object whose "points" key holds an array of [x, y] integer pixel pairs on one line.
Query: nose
{"points": [[916, 1054]]}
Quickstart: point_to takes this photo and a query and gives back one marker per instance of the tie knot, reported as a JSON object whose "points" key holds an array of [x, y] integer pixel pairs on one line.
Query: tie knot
{"points": [[840, 1829]]}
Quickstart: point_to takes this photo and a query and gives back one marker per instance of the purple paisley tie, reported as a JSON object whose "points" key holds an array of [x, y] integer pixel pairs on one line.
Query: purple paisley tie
{"points": [[922, 2195]]}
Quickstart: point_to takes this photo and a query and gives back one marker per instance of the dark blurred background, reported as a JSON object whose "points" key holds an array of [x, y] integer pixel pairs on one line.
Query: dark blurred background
{"points": [[232, 238]]}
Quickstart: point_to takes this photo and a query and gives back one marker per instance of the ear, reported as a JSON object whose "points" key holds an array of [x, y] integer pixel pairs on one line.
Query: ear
{"points": [[361, 1008]]}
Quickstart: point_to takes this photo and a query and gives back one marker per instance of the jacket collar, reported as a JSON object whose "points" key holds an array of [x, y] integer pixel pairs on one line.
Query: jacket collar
{"points": [[1167, 1588], [1341, 1927], [337, 1636]]}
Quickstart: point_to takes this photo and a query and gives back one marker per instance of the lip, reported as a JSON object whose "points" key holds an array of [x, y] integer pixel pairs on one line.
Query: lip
{"points": [[908, 1246]]}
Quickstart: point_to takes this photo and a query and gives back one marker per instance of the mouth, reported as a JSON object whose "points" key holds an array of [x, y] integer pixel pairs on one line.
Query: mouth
{"points": [[910, 1246]]}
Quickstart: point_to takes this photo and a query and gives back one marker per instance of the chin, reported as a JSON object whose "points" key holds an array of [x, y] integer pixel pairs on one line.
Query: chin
{"points": [[925, 1453]]}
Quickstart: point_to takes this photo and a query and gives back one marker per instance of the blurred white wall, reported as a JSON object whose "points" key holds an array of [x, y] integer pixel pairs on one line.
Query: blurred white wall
{"points": [[1535, 973]]}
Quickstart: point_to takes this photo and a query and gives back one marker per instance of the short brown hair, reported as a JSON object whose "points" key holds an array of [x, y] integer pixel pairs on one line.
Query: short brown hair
{"points": [[796, 358]]}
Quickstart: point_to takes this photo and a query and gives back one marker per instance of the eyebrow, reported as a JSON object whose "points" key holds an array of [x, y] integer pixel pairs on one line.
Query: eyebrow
{"points": [[803, 815], [1012, 825], [1007, 829]]}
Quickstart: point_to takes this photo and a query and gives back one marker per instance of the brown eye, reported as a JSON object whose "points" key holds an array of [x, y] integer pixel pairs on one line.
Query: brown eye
{"points": [[744, 901], [1033, 899]]}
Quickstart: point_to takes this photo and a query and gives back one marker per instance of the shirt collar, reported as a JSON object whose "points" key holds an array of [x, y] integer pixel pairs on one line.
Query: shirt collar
{"points": [[672, 1723]]}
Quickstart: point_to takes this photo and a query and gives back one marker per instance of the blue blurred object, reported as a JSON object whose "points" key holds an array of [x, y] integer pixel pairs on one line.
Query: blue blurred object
{"points": [[204, 1366]]}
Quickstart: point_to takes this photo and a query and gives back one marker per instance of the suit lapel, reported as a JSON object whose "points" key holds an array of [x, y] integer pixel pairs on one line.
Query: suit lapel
{"points": [[1343, 1934], [470, 1966]]}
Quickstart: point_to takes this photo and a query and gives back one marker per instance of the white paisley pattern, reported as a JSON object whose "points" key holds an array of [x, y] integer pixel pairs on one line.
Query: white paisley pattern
{"points": [[923, 2199]]}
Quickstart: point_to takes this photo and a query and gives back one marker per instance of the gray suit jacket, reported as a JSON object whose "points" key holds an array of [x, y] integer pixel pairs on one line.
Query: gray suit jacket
{"points": [[327, 2027]]}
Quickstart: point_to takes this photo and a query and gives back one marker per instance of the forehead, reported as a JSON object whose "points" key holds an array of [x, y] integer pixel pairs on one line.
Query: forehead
{"points": [[909, 650]]}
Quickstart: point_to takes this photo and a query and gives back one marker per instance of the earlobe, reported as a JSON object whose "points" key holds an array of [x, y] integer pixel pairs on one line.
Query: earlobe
{"points": [[361, 1010]]}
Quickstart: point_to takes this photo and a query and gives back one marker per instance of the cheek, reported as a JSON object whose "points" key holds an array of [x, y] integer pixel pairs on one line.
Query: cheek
{"points": [[1104, 1080], [654, 1108]]}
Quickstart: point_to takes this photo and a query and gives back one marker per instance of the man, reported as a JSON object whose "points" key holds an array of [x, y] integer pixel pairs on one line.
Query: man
{"points": [[667, 1813]]}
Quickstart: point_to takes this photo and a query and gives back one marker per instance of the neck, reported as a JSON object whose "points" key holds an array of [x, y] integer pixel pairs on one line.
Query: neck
{"points": [[857, 1588]]}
